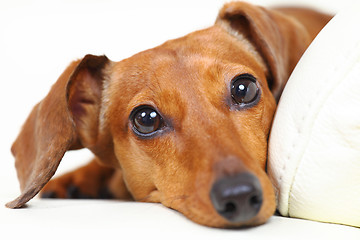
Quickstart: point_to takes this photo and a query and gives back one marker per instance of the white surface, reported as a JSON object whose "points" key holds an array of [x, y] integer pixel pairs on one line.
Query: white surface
{"points": [[59, 219], [70, 219], [37, 41], [314, 153]]}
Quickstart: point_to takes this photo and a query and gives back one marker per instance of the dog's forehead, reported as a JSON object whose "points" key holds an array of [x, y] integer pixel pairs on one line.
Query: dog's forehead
{"points": [[191, 57], [194, 69]]}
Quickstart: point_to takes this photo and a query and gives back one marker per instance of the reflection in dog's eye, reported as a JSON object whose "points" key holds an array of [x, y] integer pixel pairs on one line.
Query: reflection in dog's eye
{"points": [[244, 89], [146, 120]]}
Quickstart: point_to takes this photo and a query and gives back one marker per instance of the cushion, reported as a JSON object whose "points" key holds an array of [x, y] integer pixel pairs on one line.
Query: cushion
{"points": [[314, 148]]}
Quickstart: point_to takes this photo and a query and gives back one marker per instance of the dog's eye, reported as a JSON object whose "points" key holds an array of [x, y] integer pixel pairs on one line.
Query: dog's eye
{"points": [[146, 120], [244, 89]]}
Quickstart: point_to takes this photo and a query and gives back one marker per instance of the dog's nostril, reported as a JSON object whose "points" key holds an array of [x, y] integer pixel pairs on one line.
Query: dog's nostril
{"points": [[237, 198], [230, 208], [256, 201]]}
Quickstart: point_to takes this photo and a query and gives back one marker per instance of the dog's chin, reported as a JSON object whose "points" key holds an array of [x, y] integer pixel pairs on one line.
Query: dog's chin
{"points": [[217, 221], [205, 214]]}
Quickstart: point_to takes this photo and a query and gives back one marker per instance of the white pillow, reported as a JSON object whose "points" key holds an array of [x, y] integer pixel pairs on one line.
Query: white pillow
{"points": [[314, 149]]}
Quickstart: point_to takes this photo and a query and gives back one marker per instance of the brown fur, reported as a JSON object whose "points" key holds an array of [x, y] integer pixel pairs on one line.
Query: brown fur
{"points": [[187, 80]]}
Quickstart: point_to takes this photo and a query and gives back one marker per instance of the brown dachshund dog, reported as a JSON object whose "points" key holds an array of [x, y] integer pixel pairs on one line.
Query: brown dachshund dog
{"points": [[185, 124]]}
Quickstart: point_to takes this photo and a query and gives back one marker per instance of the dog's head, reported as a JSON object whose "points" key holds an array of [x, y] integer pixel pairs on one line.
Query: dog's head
{"points": [[186, 122]]}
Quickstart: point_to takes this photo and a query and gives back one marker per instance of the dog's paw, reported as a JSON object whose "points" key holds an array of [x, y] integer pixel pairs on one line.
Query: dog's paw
{"points": [[72, 192], [68, 187]]}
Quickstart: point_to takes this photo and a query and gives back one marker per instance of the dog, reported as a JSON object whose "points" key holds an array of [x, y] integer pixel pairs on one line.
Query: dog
{"points": [[184, 124]]}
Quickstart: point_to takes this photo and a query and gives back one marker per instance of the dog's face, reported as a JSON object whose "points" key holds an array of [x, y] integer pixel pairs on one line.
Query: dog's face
{"points": [[186, 122], [182, 122]]}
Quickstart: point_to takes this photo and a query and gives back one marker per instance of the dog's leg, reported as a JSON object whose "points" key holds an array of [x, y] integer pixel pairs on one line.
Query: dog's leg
{"points": [[90, 181]]}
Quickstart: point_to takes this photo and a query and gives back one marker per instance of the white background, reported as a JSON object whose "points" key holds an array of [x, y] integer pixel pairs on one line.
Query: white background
{"points": [[38, 39]]}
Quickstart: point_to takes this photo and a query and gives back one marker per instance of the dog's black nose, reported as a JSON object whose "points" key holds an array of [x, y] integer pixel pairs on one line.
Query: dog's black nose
{"points": [[237, 198]]}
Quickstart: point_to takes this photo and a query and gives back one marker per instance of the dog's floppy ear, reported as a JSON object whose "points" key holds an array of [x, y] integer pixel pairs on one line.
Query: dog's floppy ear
{"points": [[280, 40], [60, 122]]}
